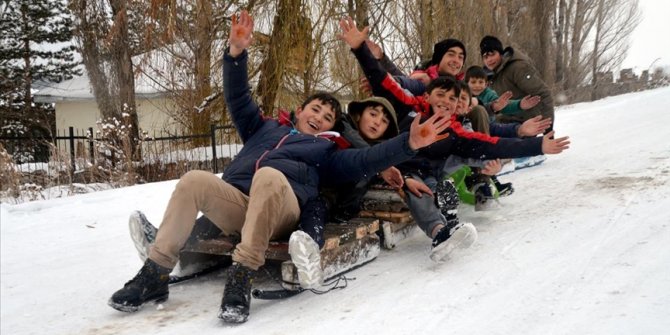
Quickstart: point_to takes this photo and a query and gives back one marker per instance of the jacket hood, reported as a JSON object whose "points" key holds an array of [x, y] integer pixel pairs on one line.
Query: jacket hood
{"points": [[510, 56], [356, 107]]}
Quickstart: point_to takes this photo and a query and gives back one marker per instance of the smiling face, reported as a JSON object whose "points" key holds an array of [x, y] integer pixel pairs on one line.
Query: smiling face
{"points": [[442, 101], [462, 107], [452, 61], [477, 85], [316, 117], [492, 59], [373, 122]]}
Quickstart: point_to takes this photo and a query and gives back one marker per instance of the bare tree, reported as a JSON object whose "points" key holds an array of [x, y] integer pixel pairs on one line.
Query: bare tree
{"points": [[102, 33], [615, 21], [286, 35]]}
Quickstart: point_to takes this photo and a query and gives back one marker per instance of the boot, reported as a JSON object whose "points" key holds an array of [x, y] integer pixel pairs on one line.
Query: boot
{"points": [[503, 189], [453, 236], [142, 232], [150, 284], [484, 199], [237, 294], [306, 256]]}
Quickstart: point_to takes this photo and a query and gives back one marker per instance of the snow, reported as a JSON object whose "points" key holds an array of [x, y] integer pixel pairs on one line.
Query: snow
{"points": [[581, 247]]}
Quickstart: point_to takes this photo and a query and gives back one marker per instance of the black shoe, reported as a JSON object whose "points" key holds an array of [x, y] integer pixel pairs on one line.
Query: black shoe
{"points": [[451, 237], [503, 189], [484, 199], [150, 284], [237, 294]]}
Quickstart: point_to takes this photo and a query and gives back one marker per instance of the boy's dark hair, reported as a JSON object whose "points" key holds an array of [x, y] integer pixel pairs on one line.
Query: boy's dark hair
{"points": [[489, 44], [444, 82], [464, 88], [327, 99], [441, 48], [475, 72]]}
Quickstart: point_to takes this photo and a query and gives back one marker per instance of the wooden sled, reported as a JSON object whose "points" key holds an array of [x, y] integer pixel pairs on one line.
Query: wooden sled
{"points": [[388, 206], [346, 246], [384, 221]]}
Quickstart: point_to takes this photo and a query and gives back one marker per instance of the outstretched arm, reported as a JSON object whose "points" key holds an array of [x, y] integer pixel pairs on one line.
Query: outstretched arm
{"points": [[381, 82], [355, 164], [245, 113]]}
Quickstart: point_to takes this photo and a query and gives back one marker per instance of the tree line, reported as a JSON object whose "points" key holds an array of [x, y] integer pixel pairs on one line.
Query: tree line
{"points": [[295, 50]]}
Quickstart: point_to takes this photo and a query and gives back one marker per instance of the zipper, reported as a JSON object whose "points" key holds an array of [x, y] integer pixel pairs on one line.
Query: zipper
{"points": [[281, 141]]}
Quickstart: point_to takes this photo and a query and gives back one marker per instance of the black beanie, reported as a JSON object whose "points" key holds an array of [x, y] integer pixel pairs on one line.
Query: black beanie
{"points": [[490, 43], [441, 48]]}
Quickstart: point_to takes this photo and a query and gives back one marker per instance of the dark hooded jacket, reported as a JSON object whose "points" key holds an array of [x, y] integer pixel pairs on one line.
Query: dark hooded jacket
{"points": [[516, 74]]}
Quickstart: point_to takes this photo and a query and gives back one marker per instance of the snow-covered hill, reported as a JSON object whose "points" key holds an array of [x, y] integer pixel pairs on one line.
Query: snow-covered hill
{"points": [[581, 247]]}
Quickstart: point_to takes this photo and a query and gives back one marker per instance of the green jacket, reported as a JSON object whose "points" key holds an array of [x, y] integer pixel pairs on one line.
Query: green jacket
{"points": [[515, 73], [488, 96]]}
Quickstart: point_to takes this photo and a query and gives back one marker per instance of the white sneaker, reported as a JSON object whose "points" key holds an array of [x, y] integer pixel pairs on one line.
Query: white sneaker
{"points": [[142, 232], [461, 237], [306, 256]]}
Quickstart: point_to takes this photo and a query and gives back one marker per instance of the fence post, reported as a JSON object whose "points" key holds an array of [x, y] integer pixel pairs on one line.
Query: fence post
{"points": [[90, 144], [72, 161], [212, 130]]}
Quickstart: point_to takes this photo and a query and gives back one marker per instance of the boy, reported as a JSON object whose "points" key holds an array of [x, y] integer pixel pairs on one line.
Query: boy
{"points": [[264, 187], [476, 78], [424, 171], [512, 71]]}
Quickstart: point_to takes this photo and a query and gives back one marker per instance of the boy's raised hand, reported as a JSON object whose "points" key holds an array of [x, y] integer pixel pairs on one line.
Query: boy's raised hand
{"points": [[551, 145], [376, 50], [529, 102], [429, 132], [501, 102], [240, 33], [350, 33], [534, 126]]}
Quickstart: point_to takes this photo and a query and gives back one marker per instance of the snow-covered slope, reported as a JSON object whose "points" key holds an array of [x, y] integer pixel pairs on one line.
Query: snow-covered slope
{"points": [[581, 247]]}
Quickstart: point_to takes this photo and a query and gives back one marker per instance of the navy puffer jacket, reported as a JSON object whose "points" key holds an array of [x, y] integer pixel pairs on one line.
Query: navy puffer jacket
{"points": [[304, 159]]}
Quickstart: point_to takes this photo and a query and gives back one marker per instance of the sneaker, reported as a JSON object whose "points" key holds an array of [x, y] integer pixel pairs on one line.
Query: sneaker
{"points": [[237, 294], [484, 199], [504, 189], [306, 256], [448, 239], [142, 232], [150, 284]]}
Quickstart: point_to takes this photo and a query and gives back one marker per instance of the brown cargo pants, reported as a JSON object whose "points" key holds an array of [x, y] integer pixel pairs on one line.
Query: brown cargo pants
{"points": [[271, 211]]}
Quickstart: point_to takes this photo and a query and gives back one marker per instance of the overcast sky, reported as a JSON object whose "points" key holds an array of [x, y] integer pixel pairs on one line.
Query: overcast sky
{"points": [[651, 39]]}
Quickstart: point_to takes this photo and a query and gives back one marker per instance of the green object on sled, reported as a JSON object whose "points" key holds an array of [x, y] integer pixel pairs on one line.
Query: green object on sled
{"points": [[467, 196]]}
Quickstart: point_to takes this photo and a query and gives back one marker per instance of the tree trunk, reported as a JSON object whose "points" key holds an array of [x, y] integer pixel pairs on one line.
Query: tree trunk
{"points": [[123, 66], [595, 56], [273, 65], [201, 118]]}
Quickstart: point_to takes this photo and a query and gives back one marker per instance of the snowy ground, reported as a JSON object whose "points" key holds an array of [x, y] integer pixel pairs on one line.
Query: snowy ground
{"points": [[582, 247]]}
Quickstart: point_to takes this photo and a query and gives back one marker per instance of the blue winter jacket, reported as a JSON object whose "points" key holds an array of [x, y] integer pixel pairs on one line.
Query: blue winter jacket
{"points": [[304, 159]]}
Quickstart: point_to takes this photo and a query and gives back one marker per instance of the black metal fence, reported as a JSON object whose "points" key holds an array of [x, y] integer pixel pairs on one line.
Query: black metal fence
{"points": [[75, 149]]}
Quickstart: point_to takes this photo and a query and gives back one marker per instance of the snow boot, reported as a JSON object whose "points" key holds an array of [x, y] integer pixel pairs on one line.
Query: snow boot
{"points": [[237, 294], [142, 232], [452, 237], [306, 256], [484, 199], [504, 189], [150, 284], [447, 199]]}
